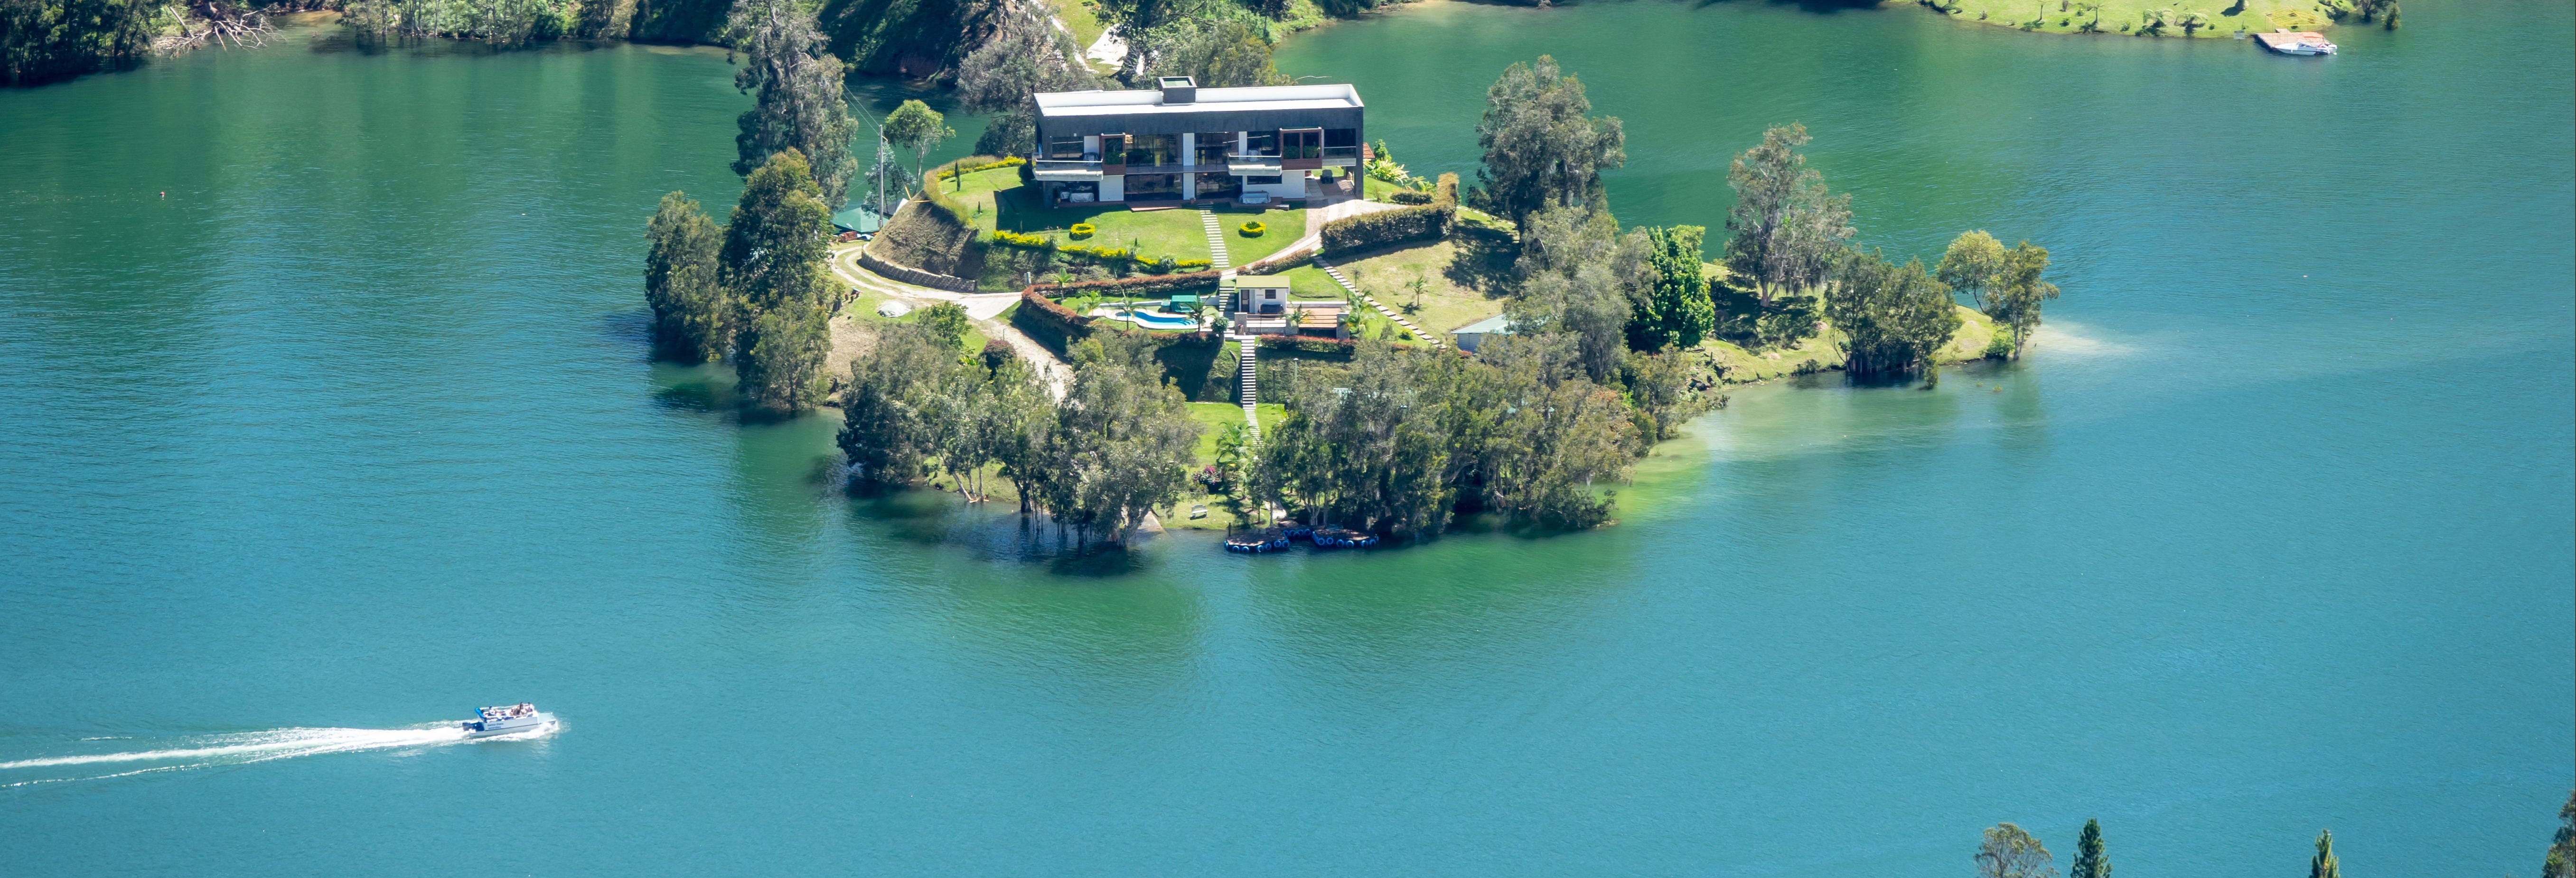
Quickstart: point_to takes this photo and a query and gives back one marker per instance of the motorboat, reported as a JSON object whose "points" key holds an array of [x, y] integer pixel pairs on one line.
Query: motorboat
{"points": [[507, 719]]}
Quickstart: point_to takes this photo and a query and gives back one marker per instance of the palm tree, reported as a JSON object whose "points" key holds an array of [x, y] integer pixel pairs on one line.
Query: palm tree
{"points": [[2192, 22], [2153, 21]]}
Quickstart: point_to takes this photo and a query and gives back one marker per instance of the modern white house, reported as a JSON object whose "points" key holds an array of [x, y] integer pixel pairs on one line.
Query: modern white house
{"points": [[1181, 143]]}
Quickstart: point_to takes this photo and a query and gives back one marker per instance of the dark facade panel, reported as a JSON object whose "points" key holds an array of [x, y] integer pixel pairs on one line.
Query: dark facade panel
{"points": [[1212, 120]]}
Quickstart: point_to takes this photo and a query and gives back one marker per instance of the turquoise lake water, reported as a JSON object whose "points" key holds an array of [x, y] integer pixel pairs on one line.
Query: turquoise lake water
{"points": [[354, 430]]}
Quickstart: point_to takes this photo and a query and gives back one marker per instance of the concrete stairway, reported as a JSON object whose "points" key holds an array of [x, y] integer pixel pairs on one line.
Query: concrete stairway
{"points": [[1372, 301], [1251, 345]]}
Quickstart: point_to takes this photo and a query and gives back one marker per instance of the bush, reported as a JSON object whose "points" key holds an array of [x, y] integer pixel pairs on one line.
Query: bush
{"points": [[1254, 229], [951, 172], [1385, 227], [1130, 285], [1023, 241], [1998, 347], [1409, 196], [1193, 264], [1083, 230]]}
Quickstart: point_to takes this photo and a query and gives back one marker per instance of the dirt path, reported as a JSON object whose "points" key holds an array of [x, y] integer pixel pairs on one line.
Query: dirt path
{"points": [[848, 340]]}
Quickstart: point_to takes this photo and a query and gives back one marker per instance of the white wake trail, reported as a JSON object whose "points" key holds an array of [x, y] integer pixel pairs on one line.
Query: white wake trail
{"points": [[246, 747]]}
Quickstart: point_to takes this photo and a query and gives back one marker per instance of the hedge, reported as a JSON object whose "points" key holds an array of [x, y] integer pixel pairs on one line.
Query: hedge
{"points": [[1401, 224], [1149, 284], [1409, 196], [951, 172]]}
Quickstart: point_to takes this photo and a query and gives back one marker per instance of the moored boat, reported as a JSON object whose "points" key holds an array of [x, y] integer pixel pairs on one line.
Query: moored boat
{"points": [[1343, 538], [2301, 43], [1256, 542], [507, 719]]}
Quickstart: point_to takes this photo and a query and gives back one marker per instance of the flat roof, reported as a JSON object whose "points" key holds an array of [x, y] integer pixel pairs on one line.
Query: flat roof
{"points": [[1138, 101]]}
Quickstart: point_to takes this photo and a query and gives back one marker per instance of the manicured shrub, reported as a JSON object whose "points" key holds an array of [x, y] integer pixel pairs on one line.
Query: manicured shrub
{"points": [[1254, 229], [1394, 226], [1409, 196], [1009, 238], [1083, 230]]}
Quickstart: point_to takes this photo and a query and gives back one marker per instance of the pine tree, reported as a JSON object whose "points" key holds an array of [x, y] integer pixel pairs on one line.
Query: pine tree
{"points": [[2089, 861], [2323, 865], [1684, 314]]}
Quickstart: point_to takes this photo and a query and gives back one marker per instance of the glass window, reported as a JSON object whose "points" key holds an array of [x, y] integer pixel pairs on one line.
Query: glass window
{"points": [[1113, 149], [1064, 148], [1341, 137], [1261, 180], [1213, 146], [1305, 143], [1261, 143]]}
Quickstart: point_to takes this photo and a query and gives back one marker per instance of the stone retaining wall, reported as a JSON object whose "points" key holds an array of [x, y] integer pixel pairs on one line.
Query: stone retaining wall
{"points": [[914, 276]]}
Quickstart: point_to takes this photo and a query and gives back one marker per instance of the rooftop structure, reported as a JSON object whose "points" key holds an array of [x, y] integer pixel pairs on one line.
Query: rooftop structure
{"points": [[1180, 142]]}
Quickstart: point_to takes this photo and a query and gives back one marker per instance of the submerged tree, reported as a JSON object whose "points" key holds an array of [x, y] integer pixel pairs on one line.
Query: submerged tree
{"points": [[1895, 317], [2009, 852], [1540, 147], [1026, 54], [683, 282], [2323, 865], [782, 361], [2019, 291], [773, 262], [2560, 862], [796, 83], [2090, 862]]}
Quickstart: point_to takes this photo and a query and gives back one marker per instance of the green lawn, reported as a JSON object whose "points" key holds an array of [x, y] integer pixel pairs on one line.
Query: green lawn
{"points": [[995, 199], [1173, 232], [1284, 225], [1216, 415], [2065, 16], [1078, 17]]}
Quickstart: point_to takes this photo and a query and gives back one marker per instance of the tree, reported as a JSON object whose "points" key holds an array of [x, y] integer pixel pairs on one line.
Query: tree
{"points": [[2089, 859], [778, 240], [1217, 54], [1579, 276], [1894, 318], [782, 362], [1971, 264], [1122, 444], [884, 431], [1026, 54], [682, 282], [915, 126], [45, 41], [2018, 290], [798, 103], [2323, 865], [948, 321], [2193, 21], [1540, 147], [1683, 312], [1788, 231], [2561, 860], [2008, 852]]}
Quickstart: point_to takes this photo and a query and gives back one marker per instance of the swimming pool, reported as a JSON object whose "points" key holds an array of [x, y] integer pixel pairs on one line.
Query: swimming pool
{"points": [[1147, 315]]}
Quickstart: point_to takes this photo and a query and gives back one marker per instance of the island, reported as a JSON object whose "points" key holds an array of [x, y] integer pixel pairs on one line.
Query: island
{"points": [[1224, 307]]}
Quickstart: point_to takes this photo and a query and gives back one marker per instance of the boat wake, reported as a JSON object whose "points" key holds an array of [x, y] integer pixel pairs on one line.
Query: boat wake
{"points": [[238, 748]]}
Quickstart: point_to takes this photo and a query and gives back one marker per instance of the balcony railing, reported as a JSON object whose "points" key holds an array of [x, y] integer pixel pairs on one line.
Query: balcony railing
{"points": [[1065, 169]]}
